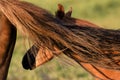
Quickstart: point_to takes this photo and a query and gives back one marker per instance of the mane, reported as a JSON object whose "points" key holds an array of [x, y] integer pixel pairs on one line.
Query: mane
{"points": [[46, 31], [38, 24]]}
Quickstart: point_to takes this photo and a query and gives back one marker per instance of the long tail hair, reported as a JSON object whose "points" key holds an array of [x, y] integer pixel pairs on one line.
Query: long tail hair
{"points": [[48, 32]]}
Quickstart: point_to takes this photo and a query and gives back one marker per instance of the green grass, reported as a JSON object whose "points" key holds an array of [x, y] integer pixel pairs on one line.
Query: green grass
{"points": [[105, 13]]}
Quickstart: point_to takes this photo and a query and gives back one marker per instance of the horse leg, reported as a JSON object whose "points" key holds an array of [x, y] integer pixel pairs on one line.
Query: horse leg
{"points": [[7, 42]]}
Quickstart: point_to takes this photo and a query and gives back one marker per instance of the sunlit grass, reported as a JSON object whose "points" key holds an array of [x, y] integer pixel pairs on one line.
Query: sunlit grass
{"points": [[104, 13]]}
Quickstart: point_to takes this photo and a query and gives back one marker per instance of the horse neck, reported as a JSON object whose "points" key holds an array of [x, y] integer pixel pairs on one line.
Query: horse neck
{"points": [[7, 42]]}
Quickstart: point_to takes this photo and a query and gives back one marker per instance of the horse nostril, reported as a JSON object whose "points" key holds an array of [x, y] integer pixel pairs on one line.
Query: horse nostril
{"points": [[28, 61]]}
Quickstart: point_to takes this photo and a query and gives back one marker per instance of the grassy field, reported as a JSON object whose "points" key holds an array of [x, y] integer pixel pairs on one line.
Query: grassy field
{"points": [[105, 13]]}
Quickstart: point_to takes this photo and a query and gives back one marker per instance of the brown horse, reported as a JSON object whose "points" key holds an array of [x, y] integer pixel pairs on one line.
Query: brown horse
{"points": [[94, 48]]}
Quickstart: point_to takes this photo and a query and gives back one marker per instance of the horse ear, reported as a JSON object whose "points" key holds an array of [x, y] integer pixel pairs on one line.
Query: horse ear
{"points": [[60, 12], [69, 13], [35, 57]]}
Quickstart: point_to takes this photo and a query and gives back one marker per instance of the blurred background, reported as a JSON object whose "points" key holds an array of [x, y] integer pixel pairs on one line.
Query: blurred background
{"points": [[105, 13]]}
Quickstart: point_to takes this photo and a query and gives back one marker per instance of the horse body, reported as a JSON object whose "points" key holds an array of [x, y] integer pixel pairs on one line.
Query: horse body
{"points": [[107, 44], [99, 72], [94, 48]]}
